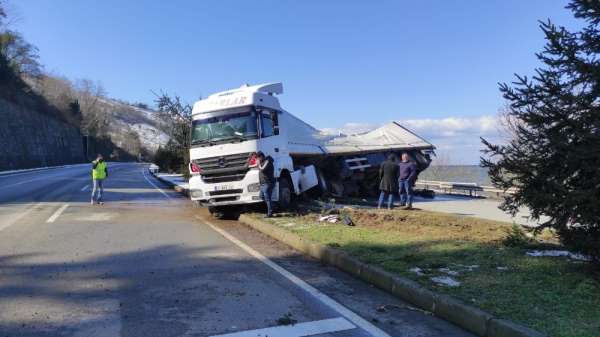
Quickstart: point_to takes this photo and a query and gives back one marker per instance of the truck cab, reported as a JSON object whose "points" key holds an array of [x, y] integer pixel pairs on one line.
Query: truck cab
{"points": [[228, 128]]}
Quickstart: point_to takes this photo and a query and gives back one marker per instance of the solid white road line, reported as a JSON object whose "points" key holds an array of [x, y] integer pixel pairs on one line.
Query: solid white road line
{"points": [[151, 183], [297, 330], [345, 312], [84, 188], [56, 214]]}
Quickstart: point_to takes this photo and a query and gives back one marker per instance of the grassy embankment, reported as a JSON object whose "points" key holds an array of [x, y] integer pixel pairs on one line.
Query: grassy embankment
{"points": [[554, 295]]}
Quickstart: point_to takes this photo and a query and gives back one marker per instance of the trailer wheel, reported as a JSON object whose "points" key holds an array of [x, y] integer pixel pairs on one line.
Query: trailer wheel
{"points": [[285, 194]]}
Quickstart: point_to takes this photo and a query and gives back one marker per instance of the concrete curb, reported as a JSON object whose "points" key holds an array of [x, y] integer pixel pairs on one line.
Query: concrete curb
{"points": [[177, 188], [453, 310]]}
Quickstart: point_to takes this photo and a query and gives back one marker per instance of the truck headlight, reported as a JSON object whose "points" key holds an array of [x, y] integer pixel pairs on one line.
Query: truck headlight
{"points": [[254, 187], [196, 193]]}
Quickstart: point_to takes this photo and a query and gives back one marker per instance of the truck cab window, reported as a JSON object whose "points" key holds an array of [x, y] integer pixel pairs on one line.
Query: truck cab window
{"points": [[269, 123]]}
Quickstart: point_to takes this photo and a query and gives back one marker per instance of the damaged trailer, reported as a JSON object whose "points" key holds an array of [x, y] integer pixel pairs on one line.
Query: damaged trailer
{"points": [[228, 128]]}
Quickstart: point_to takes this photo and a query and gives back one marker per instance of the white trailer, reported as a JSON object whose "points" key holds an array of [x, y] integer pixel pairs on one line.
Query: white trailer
{"points": [[229, 127]]}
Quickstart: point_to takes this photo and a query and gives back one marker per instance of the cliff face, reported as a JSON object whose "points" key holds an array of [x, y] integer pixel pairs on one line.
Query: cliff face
{"points": [[31, 139]]}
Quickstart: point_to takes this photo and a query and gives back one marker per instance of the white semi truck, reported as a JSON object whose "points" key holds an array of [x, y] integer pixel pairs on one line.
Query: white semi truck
{"points": [[229, 127]]}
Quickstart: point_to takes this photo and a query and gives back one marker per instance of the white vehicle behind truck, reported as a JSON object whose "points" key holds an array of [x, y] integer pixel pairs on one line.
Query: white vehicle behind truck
{"points": [[229, 127]]}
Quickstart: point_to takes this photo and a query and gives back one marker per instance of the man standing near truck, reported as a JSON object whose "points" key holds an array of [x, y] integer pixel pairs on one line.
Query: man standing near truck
{"points": [[266, 178], [406, 179], [388, 176], [99, 173]]}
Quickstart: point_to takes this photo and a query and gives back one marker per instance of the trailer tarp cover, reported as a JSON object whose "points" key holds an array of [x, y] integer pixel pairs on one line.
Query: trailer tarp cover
{"points": [[307, 140]]}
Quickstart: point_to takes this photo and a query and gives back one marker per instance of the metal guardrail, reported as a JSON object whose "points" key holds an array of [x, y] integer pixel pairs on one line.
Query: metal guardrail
{"points": [[462, 188]]}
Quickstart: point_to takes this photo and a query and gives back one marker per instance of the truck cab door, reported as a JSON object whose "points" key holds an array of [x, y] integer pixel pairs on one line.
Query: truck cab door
{"points": [[272, 140]]}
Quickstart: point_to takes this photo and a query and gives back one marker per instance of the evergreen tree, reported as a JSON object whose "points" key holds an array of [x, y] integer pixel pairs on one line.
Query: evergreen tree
{"points": [[553, 159]]}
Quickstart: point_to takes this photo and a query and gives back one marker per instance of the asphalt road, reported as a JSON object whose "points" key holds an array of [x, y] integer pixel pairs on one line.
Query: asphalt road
{"points": [[148, 264]]}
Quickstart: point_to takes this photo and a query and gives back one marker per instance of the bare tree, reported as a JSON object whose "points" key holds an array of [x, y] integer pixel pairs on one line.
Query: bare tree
{"points": [[21, 55], [89, 95], [509, 124], [177, 118], [437, 169], [2, 14], [9, 15], [56, 89]]}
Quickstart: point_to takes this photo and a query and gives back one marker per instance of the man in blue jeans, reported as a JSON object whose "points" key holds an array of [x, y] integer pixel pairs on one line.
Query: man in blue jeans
{"points": [[406, 179], [266, 178]]}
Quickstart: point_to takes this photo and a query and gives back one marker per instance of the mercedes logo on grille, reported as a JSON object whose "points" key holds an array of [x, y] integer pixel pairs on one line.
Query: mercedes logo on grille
{"points": [[221, 162]]}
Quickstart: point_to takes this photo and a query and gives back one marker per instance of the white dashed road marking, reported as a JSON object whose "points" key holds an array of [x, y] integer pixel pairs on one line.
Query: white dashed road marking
{"points": [[298, 330], [328, 301], [56, 214]]}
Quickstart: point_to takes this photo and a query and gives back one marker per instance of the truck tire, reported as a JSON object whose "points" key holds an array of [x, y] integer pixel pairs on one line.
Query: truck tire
{"points": [[285, 195], [225, 212], [214, 211], [321, 189]]}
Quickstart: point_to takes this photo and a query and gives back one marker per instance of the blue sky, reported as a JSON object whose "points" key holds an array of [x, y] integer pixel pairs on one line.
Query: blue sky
{"points": [[349, 65]]}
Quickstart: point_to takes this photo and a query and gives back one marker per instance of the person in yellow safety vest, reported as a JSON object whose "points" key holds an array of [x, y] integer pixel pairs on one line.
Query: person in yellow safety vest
{"points": [[99, 173]]}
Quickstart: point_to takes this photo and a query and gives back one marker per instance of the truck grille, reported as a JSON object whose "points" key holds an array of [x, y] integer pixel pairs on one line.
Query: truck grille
{"points": [[223, 168], [223, 192]]}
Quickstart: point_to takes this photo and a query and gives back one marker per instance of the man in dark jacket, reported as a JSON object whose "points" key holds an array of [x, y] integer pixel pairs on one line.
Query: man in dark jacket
{"points": [[388, 174], [266, 178], [408, 175]]}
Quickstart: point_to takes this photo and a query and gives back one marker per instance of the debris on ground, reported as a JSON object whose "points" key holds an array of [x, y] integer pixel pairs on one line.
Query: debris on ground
{"points": [[335, 215], [417, 271], [558, 253], [386, 307], [448, 271], [445, 280], [347, 219], [329, 218], [286, 319], [471, 267]]}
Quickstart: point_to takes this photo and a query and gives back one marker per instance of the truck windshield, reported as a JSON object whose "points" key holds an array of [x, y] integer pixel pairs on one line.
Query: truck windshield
{"points": [[235, 126]]}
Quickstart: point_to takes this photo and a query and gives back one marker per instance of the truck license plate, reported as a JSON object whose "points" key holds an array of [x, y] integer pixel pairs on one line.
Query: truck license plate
{"points": [[223, 187]]}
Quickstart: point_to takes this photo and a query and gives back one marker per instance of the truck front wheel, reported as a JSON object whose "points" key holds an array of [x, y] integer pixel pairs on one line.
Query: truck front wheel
{"points": [[285, 194], [225, 212]]}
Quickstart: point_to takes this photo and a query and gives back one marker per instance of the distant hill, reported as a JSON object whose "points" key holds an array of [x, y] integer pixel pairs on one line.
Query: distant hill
{"points": [[457, 173], [48, 119], [125, 120]]}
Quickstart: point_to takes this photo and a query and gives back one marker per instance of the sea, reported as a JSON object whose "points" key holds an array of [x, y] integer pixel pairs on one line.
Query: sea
{"points": [[457, 173]]}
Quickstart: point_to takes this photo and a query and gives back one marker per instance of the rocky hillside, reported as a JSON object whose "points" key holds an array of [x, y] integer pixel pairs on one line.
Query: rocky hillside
{"points": [[131, 126], [32, 138]]}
